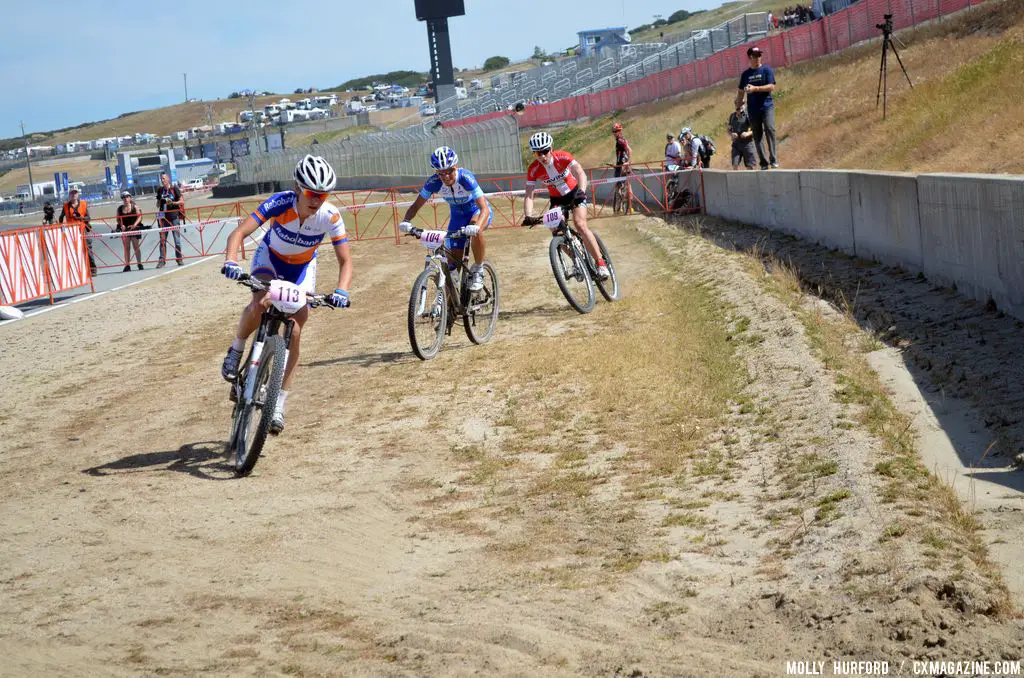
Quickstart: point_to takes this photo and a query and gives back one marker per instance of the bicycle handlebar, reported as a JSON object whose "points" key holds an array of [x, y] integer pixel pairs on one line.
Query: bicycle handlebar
{"points": [[417, 232], [257, 285]]}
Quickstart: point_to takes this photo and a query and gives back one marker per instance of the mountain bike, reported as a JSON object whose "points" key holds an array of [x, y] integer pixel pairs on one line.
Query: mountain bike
{"points": [[258, 383], [674, 198], [441, 295], [573, 265], [620, 201]]}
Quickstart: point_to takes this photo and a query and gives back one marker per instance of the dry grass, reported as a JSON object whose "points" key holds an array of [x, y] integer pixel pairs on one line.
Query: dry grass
{"points": [[826, 115], [926, 509]]}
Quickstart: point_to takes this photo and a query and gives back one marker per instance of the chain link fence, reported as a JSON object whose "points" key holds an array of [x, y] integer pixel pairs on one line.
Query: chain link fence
{"points": [[489, 146]]}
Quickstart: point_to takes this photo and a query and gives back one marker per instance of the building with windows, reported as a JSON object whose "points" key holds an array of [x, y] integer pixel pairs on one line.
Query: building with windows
{"points": [[593, 40]]}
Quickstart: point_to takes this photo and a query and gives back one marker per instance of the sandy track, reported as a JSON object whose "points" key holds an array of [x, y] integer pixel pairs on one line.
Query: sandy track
{"points": [[388, 532]]}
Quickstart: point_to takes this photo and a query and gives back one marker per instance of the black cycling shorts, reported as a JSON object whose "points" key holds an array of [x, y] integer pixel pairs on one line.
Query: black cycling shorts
{"points": [[572, 199]]}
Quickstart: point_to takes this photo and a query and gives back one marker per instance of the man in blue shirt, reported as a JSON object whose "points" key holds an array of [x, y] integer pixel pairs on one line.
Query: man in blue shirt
{"points": [[757, 83], [470, 210]]}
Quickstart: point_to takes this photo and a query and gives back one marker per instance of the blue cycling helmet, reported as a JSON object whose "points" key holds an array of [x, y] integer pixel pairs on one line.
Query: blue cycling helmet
{"points": [[444, 158]]}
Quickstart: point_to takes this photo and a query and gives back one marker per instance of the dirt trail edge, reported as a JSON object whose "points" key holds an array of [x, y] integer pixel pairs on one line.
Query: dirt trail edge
{"points": [[668, 486]]}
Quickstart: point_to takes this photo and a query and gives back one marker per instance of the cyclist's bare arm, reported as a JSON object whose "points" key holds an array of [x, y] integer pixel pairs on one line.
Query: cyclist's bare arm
{"points": [[244, 230], [528, 201], [581, 176], [480, 218], [344, 254], [414, 208]]}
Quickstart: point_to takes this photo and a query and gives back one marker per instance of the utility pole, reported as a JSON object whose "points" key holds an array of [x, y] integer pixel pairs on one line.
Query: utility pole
{"points": [[28, 160], [186, 86]]}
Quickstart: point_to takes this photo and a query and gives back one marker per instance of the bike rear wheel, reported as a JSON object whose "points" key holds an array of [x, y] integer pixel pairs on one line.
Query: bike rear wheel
{"points": [[428, 314], [482, 308], [571, 274], [609, 287], [252, 432]]}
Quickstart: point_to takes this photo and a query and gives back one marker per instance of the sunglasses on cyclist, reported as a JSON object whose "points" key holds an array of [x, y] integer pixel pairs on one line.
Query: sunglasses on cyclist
{"points": [[542, 153], [315, 195], [447, 172]]}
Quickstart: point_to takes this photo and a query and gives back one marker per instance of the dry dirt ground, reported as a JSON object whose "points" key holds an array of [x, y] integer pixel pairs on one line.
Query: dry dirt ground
{"points": [[669, 486]]}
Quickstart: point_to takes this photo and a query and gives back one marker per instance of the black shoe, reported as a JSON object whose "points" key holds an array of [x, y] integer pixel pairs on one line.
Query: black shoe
{"points": [[92, 271], [126, 269], [161, 264], [140, 267], [180, 262]]}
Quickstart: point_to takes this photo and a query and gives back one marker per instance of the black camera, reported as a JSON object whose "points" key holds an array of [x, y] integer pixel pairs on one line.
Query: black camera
{"points": [[887, 26]]}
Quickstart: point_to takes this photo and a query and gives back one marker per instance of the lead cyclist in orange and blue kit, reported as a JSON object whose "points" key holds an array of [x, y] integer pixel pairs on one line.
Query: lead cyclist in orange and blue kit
{"points": [[567, 185], [296, 222]]}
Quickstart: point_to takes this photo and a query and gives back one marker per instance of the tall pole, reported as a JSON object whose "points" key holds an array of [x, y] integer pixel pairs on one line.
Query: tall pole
{"points": [[28, 160], [186, 86]]}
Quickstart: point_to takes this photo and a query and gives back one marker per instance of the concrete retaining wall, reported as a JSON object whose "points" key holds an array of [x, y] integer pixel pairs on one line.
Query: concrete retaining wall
{"points": [[958, 229]]}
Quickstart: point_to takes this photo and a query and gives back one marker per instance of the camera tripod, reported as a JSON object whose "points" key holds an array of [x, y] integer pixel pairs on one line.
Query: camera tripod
{"points": [[883, 71]]}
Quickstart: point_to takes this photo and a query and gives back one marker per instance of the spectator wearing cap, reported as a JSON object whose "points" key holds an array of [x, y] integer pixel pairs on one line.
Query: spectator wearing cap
{"points": [[76, 212], [129, 222], [757, 84], [742, 139], [168, 202]]}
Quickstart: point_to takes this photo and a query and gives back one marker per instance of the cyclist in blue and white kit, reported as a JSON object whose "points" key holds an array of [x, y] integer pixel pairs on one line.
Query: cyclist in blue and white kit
{"points": [[296, 223], [469, 208]]}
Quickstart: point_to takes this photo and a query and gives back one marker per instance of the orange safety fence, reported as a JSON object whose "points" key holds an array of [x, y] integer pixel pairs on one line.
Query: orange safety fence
{"points": [[42, 260]]}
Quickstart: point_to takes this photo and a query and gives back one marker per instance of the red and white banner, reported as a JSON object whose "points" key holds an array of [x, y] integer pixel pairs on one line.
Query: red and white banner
{"points": [[66, 259], [21, 267]]}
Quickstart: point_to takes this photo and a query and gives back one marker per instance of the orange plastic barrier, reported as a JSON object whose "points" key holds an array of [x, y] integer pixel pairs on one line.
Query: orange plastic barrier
{"points": [[41, 261]]}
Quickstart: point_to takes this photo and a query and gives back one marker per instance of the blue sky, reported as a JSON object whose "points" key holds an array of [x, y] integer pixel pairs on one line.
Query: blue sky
{"points": [[65, 63]]}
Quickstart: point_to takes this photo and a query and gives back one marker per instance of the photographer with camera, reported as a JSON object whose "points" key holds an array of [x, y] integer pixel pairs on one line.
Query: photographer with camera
{"points": [[757, 84]]}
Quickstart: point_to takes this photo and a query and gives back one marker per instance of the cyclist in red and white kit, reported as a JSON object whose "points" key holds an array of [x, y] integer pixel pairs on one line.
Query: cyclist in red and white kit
{"points": [[567, 185], [622, 156]]}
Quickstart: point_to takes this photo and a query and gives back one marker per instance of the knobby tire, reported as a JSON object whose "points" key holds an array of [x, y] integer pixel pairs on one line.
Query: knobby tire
{"points": [[270, 375], [481, 334], [610, 286], [427, 280], [580, 269]]}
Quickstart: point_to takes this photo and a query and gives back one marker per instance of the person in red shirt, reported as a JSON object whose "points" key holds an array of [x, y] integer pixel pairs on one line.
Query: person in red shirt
{"points": [[567, 185], [622, 156]]}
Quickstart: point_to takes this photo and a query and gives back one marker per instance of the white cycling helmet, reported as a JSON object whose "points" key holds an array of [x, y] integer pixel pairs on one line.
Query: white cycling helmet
{"points": [[315, 174], [541, 141], [683, 132]]}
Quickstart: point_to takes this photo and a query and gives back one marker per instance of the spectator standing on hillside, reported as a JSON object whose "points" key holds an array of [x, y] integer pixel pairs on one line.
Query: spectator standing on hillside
{"points": [[129, 222], [168, 203], [742, 139], [757, 83], [47, 212], [76, 212]]}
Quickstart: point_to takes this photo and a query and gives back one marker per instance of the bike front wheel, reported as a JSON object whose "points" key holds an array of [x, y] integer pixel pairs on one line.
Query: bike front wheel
{"points": [[482, 308], [259, 413], [609, 287], [619, 198], [428, 314], [571, 274]]}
